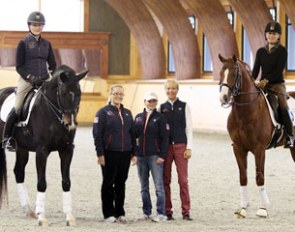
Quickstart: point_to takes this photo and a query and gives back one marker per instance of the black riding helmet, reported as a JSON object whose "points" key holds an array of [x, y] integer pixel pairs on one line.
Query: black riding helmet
{"points": [[36, 17], [273, 27]]}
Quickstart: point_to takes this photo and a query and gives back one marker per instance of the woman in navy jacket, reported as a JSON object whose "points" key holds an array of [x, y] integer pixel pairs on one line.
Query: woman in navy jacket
{"points": [[114, 139], [152, 132]]}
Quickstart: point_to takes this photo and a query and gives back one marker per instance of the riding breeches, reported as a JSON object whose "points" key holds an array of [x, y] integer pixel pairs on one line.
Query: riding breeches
{"points": [[23, 87], [280, 91]]}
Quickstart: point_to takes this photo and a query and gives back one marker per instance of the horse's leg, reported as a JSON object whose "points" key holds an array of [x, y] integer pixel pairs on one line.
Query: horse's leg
{"points": [[41, 161], [292, 150], [66, 159], [241, 158], [3, 175], [259, 163], [22, 158]]}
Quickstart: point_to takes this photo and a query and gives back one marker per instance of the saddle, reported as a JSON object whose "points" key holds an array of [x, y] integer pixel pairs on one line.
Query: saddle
{"points": [[26, 109], [273, 107]]}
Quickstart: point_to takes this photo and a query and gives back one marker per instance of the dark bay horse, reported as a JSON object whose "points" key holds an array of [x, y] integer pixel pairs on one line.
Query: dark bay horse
{"points": [[249, 125], [51, 127]]}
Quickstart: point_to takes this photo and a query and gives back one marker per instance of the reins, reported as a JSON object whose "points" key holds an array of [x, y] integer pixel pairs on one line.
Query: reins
{"points": [[57, 111]]}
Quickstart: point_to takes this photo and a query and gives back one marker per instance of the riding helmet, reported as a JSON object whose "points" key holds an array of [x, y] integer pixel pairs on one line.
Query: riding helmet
{"points": [[36, 17], [273, 27]]}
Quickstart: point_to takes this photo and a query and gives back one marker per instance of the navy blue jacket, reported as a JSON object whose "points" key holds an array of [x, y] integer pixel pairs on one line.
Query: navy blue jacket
{"points": [[175, 115], [154, 140], [32, 57], [110, 133]]}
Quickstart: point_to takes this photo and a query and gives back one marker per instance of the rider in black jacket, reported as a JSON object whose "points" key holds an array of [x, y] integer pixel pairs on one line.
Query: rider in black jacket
{"points": [[272, 59]]}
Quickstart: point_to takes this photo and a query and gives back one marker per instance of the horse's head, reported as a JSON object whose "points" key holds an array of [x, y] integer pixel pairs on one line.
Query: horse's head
{"points": [[69, 93], [230, 79]]}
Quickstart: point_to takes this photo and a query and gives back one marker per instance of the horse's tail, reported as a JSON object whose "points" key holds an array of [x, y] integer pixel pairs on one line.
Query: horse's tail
{"points": [[3, 175]]}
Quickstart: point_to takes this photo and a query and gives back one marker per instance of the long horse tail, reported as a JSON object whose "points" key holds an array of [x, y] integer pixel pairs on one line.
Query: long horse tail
{"points": [[3, 175]]}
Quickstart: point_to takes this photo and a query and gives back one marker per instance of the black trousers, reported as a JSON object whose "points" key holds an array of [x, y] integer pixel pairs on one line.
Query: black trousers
{"points": [[115, 174]]}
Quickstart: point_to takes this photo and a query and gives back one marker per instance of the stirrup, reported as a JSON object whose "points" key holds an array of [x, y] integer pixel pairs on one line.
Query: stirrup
{"points": [[289, 143], [9, 144]]}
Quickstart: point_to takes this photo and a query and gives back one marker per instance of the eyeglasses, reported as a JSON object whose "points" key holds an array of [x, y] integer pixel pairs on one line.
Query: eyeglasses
{"points": [[118, 94]]}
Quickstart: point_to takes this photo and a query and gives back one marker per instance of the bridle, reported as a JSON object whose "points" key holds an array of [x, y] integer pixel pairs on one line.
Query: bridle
{"points": [[235, 89], [58, 110]]}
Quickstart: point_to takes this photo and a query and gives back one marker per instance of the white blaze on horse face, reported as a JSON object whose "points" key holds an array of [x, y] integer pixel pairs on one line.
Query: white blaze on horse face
{"points": [[224, 91], [72, 126]]}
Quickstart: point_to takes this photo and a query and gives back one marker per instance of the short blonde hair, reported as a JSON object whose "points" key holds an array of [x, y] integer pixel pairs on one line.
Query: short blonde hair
{"points": [[171, 81], [115, 86]]}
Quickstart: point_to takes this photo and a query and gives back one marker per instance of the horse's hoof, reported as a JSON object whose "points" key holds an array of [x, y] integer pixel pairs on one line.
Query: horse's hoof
{"points": [[241, 213], [71, 221], [29, 212], [262, 213], [42, 221]]}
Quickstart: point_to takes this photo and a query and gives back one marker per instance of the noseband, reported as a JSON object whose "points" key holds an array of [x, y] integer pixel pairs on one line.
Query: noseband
{"points": [[58, 110], [236, 89]]}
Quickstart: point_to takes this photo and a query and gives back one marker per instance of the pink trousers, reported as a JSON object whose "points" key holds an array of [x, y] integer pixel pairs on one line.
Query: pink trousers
{"points": [[175, 153]]}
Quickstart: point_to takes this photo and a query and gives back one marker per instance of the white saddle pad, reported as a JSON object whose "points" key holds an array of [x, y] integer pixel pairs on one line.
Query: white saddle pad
{"points": [[7, 106], [291, 104]]}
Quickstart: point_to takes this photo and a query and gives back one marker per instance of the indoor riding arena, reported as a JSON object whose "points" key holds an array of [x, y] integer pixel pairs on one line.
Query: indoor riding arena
{"points": [[139, 45], [214, 190]]}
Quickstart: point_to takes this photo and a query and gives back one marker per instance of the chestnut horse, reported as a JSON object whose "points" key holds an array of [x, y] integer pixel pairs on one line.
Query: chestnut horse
{"points": [[249, 125]]}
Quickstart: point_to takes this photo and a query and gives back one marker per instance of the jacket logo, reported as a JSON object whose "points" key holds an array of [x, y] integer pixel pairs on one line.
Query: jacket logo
{"points": [[165, 110], [96, 120], [179, 108], [139, 119], [110, 113], [31, 44]]}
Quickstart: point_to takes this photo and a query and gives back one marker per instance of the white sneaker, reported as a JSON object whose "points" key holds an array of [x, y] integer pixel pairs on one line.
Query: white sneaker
{"points": [[110, 219], [122, 219], [159, 218]]}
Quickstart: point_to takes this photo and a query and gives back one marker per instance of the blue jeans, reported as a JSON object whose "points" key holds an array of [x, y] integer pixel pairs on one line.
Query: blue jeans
{"points": [[145, 165]]}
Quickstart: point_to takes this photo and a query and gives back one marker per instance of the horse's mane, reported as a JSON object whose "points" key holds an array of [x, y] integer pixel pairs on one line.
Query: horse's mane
{"points": [[246, 67]]}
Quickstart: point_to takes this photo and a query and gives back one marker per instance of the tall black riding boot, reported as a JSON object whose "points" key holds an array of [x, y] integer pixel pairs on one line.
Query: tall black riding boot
{"points": [[8, 128], [288, 127]]}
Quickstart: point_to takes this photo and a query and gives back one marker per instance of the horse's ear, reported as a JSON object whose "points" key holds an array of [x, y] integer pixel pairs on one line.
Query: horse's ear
{"points": [[81, 75], [235, 59], [222, 59]]}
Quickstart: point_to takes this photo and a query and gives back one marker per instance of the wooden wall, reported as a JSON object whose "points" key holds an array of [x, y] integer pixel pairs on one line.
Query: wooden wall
{"points": [[90, 49]]}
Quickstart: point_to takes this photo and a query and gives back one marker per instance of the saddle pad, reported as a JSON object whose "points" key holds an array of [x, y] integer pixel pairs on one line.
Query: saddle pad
{"points": [[7, 106], [291, 104]]}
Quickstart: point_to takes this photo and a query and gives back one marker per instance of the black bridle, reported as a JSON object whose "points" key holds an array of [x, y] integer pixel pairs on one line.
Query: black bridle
{"points": [[235, 89], [58, 110]]}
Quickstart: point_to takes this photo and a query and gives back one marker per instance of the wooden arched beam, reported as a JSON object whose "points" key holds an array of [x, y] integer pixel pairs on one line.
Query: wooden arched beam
{"points": [[146, 35], [181, 36], [216, 26], [289, 7], [254, 15]]}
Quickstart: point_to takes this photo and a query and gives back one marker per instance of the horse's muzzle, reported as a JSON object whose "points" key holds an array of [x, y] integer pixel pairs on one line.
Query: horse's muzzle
{"points": [[70, 121]]}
